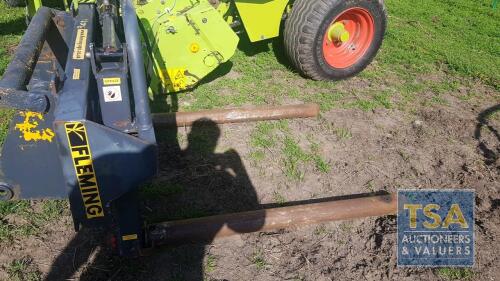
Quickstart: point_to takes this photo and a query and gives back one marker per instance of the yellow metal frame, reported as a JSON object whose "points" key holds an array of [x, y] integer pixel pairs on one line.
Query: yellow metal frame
{"points": [[261, 18]]}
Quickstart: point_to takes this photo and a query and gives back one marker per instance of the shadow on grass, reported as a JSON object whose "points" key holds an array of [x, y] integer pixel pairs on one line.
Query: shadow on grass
{"points": [[276, 45], [13, 27]]}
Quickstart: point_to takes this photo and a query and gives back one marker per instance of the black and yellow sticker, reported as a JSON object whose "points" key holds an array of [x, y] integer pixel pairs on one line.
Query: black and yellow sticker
{"points": [[111, 81], [80, 44], [84, 169]]}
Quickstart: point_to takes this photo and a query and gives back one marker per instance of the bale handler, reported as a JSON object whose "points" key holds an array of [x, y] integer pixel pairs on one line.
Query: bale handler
{"points": [[81, 79]]}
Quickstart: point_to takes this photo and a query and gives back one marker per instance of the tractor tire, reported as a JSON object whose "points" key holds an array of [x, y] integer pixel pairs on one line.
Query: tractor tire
{"points": [[15, 3], [318, 54]]}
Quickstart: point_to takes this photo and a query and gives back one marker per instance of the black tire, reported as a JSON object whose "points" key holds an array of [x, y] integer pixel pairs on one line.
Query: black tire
{"points": [[16, 3], [305, 29]]}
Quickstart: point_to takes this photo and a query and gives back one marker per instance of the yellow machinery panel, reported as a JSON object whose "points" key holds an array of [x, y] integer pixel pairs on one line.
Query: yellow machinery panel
{"points": [[261, 18]]}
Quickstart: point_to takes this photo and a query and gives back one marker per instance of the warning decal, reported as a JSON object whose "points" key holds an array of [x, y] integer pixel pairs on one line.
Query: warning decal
{"points": [[80, 44], [84, 169], [112, 93], [177, 78], [111, 81]]}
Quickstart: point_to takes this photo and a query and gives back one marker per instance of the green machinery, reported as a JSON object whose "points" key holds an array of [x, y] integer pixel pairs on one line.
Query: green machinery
{"points": [[184, 40], [203, 35]]}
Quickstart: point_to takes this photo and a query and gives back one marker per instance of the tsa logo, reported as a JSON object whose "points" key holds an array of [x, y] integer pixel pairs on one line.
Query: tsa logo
{"points": [[436, 228]]}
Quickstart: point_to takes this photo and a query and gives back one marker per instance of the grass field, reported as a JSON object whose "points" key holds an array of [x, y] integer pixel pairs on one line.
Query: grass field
{"points": [[432, 50]]}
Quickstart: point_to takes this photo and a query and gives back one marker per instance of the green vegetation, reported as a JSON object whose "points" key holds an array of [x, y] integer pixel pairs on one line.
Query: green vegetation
{"points": [[448, 273], [343, 133], [293, 157], [321, 230], [279, 198], [319, 162], [375, 101], [23, 218], [346, 227], [369, 185], [9, 230], [264, 137], [258, 259], [11, 29], [456, 36], [210, 264], [12, 23], [275, 138], [23, 270]]}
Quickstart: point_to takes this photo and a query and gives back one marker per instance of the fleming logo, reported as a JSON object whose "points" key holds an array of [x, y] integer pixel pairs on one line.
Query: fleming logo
{"points": [[84, 169], [435, 228]]}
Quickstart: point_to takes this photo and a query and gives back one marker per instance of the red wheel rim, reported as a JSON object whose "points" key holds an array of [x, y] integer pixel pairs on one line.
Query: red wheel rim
{"points": [[360, 25]]}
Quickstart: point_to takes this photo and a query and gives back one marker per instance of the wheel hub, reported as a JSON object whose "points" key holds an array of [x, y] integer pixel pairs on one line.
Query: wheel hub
{"points": [[348, 38], [337, 33]]}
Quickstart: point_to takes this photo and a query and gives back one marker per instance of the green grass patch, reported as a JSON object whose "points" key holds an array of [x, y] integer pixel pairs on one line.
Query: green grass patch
{"points": [[343, 133], [459, 36], [326, 101], [279, 198], [264, 135], [276, 138], [5, 117], [258, 260], [293, 157], [50, 210], [448, 273], [22, 219], [319, 162], [14, 207], [10, 230], [320, 230], [12, 26], [439, 100], [378, 100], [257, 155], [23, 270], [210, 264]]}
